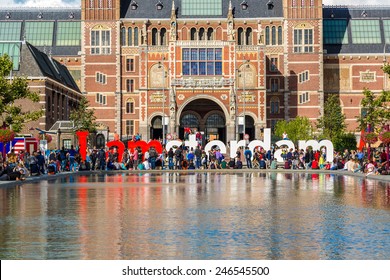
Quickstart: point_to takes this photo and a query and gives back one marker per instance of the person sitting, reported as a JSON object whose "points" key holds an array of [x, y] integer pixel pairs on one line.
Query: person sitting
{"points": [[10, 174], [224, 164], [52, 168], [238, 164], [314, 164], [232, 163], [287, 164], [191, 165], [262, 164], [370, 169]]}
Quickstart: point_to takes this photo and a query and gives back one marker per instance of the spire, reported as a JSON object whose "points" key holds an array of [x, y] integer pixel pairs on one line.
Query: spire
{"points": [[173, 11], [230, 12]]}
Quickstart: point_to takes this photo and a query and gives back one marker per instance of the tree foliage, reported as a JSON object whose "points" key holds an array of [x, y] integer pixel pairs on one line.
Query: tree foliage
{"points": [[375, 110], [83, 118], [12, 114], [299, 128], [332, 123], [345, 141]]}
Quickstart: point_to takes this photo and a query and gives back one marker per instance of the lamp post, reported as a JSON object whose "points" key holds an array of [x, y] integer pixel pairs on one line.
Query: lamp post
{"points": [[163, 98], [244, 95]]}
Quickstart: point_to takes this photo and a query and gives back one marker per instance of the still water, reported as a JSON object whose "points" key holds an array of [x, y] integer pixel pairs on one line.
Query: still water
{"points": [[196, 216]]}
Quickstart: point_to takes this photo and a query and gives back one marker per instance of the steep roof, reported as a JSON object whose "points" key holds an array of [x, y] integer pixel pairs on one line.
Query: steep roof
{"points": [[48, 67], [147, 9]]}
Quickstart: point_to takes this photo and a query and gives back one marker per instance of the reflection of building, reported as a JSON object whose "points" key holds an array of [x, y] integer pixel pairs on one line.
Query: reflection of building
{"points": [[267, 60]]}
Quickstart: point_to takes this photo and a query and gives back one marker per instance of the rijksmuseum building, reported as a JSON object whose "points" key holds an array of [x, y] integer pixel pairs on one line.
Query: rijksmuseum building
{"points": [[216, 66]]}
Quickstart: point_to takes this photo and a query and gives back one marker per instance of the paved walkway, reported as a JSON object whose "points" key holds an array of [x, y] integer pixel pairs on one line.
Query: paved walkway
{"points": [[384, 178]]}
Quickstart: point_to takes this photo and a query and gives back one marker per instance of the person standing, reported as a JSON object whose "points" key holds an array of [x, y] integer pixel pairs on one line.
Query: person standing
{"points": [[248, 157]]}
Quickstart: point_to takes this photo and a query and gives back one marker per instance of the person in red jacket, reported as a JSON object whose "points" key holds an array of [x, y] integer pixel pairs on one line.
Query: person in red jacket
{"points": [[314, 164]]}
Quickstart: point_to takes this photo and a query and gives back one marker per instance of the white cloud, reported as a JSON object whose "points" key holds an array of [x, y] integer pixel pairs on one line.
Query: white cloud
{"points": [[356, 2], [76, 3], [41, 3]]}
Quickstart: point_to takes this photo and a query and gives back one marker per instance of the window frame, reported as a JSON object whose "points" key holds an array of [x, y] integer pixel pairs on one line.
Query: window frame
{"points": [[100, 41]]}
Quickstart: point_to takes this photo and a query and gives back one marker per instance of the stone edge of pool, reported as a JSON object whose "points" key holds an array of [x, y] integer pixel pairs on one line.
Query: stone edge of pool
{"points": [[384, 178]]}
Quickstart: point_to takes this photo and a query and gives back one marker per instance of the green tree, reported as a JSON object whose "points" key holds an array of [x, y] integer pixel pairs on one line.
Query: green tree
{"points": [[375, 108], [11, 93], [332, 123], [299, 128], [345, 141], [83, 118]]}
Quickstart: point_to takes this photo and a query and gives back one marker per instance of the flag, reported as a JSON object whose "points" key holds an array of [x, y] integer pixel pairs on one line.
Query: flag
{"points": [[361, 142], [18, 145]]}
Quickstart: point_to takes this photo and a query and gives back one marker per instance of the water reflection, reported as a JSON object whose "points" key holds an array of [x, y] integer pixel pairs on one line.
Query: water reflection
{"points": [[197, 216]]}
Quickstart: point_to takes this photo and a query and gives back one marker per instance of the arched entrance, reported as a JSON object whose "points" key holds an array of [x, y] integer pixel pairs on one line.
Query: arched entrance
{"points": [[156, 129], [250, 127], [206, 116], [100, 141]]}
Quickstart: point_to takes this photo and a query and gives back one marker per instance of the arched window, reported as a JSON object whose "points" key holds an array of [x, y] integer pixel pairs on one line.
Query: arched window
{"points": [[189, 120], [157, 122], [273, 35], [280, 36], [193, 33], [293, 3], [123, 36], [135, 36], [210, 34], [201, 34], [130, 106], [274, 105], [163, 36], [154, 37], [248, 36], [240, 36], [215, 121], [267, 35], [129, 36]]}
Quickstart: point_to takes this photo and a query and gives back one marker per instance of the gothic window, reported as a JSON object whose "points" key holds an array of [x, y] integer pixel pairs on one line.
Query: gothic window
{"points": [[123, 36], [163, 36], [129, 36], [280, 36], [135, 36], [240, 36], [210, 34], [248, 36], [193, 33], [267, 35], [273, 35], [154, 37], [201, 34]]}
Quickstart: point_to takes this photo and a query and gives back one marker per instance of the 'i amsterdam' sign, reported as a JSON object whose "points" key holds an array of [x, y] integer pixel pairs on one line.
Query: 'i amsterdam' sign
{"points": [[234, 145]]}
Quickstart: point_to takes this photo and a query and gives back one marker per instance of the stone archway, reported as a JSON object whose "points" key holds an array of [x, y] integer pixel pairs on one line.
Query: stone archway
{"points": [[206, 115]]}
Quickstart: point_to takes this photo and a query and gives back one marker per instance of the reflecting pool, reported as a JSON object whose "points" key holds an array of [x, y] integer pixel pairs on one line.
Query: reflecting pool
{"points": [[196, 216]]}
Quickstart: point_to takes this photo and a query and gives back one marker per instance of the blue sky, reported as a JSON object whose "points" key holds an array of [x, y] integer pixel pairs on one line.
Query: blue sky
{"points": [[75, 3]]}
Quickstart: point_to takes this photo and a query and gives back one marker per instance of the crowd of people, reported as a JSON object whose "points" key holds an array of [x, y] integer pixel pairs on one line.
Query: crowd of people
{"points": [[17, 166]]}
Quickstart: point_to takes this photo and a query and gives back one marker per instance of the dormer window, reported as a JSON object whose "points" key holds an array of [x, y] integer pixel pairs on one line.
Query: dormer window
{"points": [[270, 5], [159, 5], [71, 15], [244, 5], [134, 5], [8, 15], [40, 15]]}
